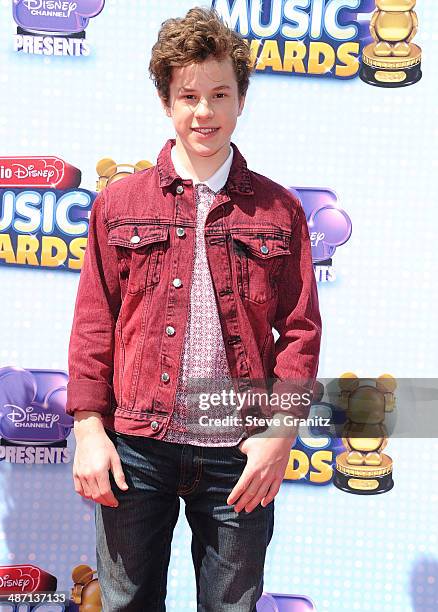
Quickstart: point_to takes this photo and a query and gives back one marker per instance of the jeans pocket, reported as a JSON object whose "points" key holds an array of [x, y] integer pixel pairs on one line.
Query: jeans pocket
{"points": [[237, 452]]}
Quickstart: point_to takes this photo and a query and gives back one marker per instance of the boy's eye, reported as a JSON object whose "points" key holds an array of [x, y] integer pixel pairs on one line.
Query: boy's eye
{"points": [[191, 96]]}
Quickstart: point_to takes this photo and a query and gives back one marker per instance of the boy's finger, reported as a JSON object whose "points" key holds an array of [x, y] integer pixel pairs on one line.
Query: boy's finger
{"points": [[78, 486], [106, 496], [247, 497], [85, 486], [273, 490], [239, 488], [263, 490]]}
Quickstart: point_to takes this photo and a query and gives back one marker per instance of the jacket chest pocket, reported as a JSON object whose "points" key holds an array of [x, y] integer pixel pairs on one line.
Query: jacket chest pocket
{"points": [[258, 259], [140, 251]]}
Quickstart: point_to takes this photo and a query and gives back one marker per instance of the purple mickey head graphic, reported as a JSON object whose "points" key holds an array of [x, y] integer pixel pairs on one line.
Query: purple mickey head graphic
{"points": [[32, 407], [266, 603], [284, 602], [50, 16], [89, 8], [329, 225]]}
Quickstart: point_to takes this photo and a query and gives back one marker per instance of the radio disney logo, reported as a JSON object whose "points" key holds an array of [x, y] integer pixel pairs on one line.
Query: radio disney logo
{"points": [[11, 583], [38, 171], [25, 578], [22, 172], [33, 417], [54, 20], [329, 227]]}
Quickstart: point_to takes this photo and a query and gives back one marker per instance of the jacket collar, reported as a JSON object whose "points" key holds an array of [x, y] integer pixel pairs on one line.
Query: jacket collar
{"points": [[239, 179]]}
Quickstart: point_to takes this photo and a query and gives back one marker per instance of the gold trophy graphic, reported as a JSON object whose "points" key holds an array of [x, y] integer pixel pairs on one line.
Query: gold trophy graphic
{"points": [[363, 468], [392, 60], [109, 171], [86, 590]]}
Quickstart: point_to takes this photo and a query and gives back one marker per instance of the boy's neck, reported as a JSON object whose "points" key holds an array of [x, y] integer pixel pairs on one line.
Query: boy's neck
{"points": [[201, 168]]}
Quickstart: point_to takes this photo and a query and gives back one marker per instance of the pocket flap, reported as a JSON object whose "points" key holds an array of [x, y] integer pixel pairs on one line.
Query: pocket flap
{"points": [[261, 244], [136, 235]]}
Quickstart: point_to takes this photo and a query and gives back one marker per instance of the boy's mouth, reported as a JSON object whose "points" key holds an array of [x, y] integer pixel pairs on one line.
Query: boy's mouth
{"points": [[205, 130]]}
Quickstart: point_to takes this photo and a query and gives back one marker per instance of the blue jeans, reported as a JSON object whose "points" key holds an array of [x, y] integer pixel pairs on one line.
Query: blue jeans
{"points": [[133, 540]]}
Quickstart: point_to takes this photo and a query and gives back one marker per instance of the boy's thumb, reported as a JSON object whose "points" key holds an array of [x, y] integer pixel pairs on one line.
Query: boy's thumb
{"points": [[119, 476]]}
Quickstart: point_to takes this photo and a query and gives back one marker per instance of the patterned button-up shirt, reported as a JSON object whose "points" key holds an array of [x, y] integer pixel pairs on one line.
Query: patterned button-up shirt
{"points": [[204, 365]]}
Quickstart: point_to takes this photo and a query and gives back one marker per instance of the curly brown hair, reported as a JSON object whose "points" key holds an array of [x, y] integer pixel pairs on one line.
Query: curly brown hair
{"points": [[192, 39]]}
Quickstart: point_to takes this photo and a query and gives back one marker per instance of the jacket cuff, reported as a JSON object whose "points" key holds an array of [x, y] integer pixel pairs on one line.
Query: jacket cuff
{"points": [[92, 395], [293, 398]]}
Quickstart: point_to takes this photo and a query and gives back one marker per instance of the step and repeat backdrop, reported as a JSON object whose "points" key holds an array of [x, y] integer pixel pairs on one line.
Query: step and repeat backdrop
{"points": [[342, 111]]}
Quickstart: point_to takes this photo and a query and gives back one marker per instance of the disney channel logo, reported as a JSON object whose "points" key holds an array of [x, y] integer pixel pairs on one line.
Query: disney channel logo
{"points": [[44, 7], [33, 423], [54, 27], [329, 227]]}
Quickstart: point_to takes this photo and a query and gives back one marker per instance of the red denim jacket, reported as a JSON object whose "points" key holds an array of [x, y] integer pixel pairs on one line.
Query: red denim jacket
{"points": [[130, 316]]}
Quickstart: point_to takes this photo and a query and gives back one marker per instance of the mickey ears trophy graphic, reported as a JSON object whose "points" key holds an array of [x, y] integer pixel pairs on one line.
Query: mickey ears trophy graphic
{"points": [[109, 171], [392, 60], [363, 468], [86, 590]]}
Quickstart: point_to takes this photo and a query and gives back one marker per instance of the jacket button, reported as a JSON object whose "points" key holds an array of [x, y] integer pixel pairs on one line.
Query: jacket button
{"points": [[165, 377], [180, 232], [135, 239], [154, 425], [177, 282], [180, 189], [264, 249], [170, 330], [226, 291]]}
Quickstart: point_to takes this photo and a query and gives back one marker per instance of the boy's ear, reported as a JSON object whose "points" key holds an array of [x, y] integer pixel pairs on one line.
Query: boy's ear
{"points": [[241, 105], [165, 106]]}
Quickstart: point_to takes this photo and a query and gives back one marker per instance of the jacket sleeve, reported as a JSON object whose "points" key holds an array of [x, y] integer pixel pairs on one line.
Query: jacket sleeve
{"points": [[298, 323], [91, 346]]}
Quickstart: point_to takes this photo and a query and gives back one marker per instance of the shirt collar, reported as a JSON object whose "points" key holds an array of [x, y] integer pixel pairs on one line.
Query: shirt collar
{"points": [[239, 178], [215, 182]]}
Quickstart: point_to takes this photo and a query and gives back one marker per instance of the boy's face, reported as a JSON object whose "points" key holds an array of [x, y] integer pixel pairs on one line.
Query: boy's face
{"points": [[204, 95]]}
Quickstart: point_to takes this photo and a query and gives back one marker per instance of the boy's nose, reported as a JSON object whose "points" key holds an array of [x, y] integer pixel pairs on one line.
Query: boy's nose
{"points": [[203, 109]]}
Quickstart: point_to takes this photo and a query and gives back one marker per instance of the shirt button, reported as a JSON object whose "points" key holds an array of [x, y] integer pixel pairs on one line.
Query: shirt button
{"points": [[165, 377], [177, 282], [264, 249], [180, 189], [170, 330], [135, 239], [154, 425], [180, 231]]}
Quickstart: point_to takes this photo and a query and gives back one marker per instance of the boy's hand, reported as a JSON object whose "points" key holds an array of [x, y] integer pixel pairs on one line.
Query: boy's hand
{"points": [[95, 455], [263, 474]]}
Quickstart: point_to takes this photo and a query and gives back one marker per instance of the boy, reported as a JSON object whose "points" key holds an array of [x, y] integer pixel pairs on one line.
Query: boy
{"points": [[189, 265]]}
